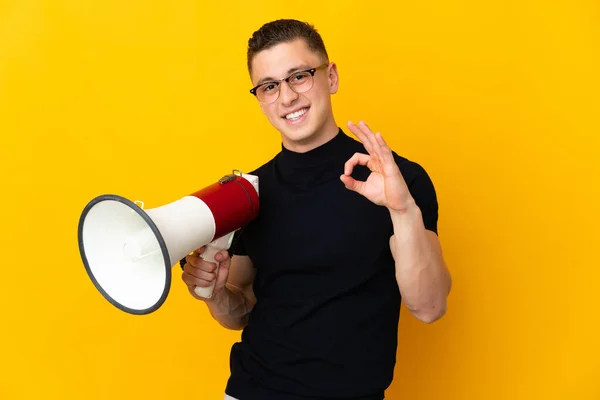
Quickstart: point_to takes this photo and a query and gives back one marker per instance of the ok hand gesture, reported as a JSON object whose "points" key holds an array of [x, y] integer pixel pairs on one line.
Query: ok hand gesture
{"points": [[385, 186]]}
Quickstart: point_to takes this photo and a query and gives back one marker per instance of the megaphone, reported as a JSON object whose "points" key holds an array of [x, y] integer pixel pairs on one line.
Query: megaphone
{"points": [[128, 252]]}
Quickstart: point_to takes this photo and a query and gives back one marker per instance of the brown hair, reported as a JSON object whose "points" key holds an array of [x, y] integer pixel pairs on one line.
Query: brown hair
{"points": [[284, 30]]}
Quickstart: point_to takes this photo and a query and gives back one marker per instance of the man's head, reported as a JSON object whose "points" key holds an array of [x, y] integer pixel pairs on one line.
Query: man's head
{"points": [[299, 107]]}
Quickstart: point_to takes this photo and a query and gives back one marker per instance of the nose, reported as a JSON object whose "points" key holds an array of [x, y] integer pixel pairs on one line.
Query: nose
{"points": [[286, 94]]}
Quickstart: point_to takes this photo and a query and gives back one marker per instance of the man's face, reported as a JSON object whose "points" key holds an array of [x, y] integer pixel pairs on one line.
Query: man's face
{"points": [[279, 62]]}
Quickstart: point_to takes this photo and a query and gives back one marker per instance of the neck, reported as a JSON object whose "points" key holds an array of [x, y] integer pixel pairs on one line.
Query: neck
{"points": [[323, 135]]}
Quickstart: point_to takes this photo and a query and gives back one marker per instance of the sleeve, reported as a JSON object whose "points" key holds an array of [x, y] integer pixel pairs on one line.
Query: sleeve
{"points": [[237, 244], [423, 191]]}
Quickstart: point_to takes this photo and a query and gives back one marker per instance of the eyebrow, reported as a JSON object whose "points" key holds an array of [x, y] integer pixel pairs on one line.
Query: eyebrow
{"points": [[289, 72]]}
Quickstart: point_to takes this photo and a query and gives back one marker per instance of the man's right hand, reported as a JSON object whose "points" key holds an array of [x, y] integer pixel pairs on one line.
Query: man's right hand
{"points": [[198, 272], [230, 305]]}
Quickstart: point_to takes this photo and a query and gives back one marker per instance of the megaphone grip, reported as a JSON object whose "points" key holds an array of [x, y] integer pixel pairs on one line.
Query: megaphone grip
{"points": [[208, 255]]}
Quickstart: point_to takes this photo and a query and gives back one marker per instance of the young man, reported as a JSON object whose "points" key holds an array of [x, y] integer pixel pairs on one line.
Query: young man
{"points": [[347, 229]]}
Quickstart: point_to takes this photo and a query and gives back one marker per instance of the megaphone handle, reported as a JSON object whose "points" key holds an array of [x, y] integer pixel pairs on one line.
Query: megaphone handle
{"points": [[222, 243], [209, 256]]}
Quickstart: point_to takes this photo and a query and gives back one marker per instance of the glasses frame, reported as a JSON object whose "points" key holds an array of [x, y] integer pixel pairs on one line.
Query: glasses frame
{"points": [[312, 72]]}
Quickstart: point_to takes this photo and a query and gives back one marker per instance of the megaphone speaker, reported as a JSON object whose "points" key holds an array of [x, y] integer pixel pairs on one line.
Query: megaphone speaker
{"points": [[128, 252]]}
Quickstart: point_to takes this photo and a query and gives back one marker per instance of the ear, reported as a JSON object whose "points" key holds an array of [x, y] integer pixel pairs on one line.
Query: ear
{"points": [[333, 78]]}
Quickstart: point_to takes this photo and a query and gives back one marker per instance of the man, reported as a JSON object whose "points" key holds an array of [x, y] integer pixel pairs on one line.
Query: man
{"points": [[347, 229]]}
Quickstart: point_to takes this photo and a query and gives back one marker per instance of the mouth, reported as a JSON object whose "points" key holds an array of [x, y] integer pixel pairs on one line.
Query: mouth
{"points": [[297, 115]]}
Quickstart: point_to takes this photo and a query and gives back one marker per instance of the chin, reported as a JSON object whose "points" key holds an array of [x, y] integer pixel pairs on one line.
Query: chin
{"points": [[298, 135], [299, 131]]}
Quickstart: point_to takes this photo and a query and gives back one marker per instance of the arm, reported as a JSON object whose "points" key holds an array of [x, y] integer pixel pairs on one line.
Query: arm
{"points": [[233, 297], [421, 272], [232, 305]]}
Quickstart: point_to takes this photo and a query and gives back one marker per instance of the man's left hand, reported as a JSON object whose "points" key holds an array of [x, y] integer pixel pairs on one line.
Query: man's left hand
{"points": [[385, 186]]}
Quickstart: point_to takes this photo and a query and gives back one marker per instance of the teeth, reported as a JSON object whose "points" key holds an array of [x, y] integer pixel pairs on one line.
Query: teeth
{"points": [[297, 114]]}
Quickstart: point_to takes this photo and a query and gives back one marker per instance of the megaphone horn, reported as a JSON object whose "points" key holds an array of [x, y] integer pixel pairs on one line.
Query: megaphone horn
{"points": [[128, 252]]}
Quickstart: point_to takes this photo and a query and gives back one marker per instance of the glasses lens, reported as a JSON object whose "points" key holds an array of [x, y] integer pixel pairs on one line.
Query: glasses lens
{"points": [[268, 92], [301, 82]]}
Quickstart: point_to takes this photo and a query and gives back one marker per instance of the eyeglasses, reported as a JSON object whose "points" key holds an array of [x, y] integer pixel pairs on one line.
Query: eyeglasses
{"points": [[299, 82]]}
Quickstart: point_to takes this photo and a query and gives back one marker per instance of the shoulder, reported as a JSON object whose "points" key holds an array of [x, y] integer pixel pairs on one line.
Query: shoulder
{"points": [[412, 171], [421, 188], [265, 172], [263, 169]]}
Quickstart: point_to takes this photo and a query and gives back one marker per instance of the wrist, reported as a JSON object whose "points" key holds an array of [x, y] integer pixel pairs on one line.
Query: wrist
{"points": [[218, 304], [407, 215]]}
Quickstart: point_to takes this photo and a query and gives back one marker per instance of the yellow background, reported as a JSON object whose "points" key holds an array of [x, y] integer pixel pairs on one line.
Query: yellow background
{"points": [[498, 100]]}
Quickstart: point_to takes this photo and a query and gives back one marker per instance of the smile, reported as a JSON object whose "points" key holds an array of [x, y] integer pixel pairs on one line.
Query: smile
{"points": [[295, 115]]}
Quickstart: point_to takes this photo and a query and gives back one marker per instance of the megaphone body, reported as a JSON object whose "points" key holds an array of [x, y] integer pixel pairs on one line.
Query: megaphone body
{"points": [[128, 252]]}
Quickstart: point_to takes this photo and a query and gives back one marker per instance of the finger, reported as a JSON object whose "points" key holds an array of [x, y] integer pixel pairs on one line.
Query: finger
{"points": [[201, 273], [368, 139], [389, 164], [357, 158], [224, 263], [352, 184], [371, 137], [361, 136], [223, 273], [222, 257], [201, 264], [382, 143], [199, 251], [192, 281]]}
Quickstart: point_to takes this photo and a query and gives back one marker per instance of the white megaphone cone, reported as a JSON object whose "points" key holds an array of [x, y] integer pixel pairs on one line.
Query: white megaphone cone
{"points": [[128, 252]]}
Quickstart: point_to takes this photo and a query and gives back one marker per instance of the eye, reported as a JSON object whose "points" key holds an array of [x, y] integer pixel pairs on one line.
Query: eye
{"points": [[268, 87], [300, 77]]}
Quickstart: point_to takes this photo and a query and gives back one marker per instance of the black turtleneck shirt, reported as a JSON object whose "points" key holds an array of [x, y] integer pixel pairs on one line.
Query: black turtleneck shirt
{"points": [[325, 325]]}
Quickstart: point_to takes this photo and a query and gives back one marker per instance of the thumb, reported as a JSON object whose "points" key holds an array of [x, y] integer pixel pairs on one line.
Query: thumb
{"points": [[352, 184], [222, 257]]}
